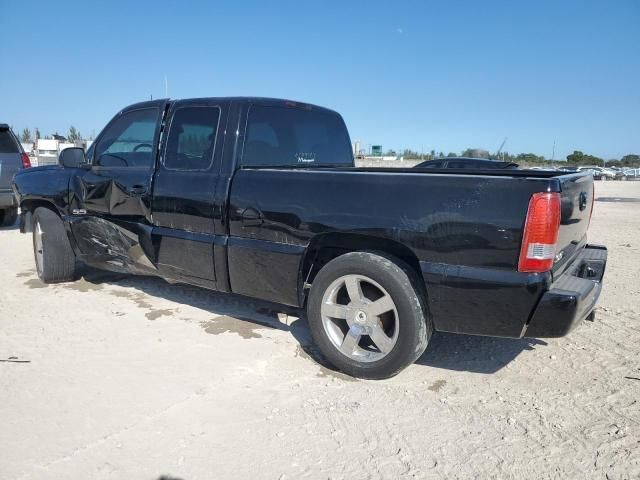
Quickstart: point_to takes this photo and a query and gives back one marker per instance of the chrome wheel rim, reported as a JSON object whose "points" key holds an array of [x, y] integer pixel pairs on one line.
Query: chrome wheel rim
{"points": [[360, 318], [37, 246]]}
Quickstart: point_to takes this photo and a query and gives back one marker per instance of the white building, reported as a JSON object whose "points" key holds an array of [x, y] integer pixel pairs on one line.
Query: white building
{"points": [[47, 151], [27, 147]]}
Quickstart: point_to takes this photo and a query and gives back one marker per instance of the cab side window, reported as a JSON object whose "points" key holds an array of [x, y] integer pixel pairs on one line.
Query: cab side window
{"points": [[128, 141], [192, 138]]}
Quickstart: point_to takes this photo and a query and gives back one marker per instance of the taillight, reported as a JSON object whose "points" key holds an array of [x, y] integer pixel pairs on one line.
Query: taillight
{"points": [[540, 233], [26, 163]]}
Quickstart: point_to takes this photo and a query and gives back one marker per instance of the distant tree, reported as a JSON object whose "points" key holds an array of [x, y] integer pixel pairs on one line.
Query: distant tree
{"points": [[530, 157], [631, 160], [74, 135], [37, 133], [408, 154], [475, 153], [575, 157], [25, 137], [580, 158], [452, 154]]}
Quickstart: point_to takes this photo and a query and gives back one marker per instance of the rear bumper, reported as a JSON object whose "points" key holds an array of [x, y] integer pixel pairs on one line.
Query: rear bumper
{"points": [[571, 297], [7, 199]]}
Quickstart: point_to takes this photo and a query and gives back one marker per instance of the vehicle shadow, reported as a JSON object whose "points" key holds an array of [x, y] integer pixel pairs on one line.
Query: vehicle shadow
{"points": [[243, 315], [472, 353], [259, 313], [15, 226]]}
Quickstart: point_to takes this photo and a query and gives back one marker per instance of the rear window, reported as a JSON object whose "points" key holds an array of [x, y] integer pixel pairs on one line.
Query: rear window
{"points": [[281, 136], [7, 143], [463, 165]]}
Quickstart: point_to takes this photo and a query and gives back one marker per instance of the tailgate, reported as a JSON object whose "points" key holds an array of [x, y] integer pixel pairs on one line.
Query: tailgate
{"points": [[576, 194]]}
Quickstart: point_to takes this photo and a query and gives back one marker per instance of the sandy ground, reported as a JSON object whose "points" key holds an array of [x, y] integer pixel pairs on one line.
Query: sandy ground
{"points": [[138, 379]]}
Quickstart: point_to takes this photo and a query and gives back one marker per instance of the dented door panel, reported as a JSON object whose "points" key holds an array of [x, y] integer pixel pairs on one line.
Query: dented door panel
{"points": [[123, 248]]}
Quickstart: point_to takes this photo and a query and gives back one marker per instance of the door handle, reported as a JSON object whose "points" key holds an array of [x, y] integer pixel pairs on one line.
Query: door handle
{"points": [[251, 217], [138, 189]]}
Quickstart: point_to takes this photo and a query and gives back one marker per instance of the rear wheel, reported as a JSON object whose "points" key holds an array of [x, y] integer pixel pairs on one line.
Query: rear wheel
{"points": [[55, 260], [8, 217], [367, 316]]}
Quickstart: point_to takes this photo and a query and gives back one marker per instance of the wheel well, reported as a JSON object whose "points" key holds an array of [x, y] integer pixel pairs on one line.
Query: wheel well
{"points": [[325, 247], [27, 208]]}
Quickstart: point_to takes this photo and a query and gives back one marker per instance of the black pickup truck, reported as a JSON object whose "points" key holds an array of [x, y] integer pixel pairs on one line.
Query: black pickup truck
{"points": [[260, 197]]}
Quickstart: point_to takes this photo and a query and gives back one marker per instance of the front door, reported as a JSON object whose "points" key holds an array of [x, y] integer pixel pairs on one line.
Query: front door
{"points": [[184, 188], [110, 204]]}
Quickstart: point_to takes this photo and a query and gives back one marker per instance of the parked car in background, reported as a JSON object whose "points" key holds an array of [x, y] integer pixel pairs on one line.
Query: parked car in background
{"points": [[631, 173], [466, 162], [599, 173], [12, 160], [620, 173]]}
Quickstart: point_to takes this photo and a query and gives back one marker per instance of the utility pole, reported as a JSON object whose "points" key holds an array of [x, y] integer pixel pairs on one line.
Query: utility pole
{"points": [[500, 149], [166, 87]]}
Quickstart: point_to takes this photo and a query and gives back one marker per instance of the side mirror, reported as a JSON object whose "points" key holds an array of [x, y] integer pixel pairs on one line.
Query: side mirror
{"points": [[72, 158]]}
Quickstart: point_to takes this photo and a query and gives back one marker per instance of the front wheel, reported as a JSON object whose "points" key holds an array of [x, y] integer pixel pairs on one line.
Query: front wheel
{"points": [[367, 315], [55, 260]]}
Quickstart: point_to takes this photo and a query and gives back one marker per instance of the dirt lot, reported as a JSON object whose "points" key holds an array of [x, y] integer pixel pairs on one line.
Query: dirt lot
{"points": [[138, 379]]}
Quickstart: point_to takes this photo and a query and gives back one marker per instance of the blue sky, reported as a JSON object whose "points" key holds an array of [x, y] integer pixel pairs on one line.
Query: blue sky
{"points": [[441, 75]]}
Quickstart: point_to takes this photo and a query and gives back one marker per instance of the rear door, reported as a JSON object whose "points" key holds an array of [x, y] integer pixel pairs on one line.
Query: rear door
{"points": [[184, 188], [10, 162]]}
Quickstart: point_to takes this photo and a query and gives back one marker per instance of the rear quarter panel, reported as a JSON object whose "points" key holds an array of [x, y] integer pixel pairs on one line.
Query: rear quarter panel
{"points": [[464, 230]]}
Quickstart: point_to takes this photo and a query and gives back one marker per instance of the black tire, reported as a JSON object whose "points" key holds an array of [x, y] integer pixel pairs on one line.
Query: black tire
{"points": [[58, 262], [404, 288], [8, 217]]}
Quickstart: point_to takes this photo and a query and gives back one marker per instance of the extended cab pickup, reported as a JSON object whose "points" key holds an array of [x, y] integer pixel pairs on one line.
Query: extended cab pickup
{"points": [[261, 198]]}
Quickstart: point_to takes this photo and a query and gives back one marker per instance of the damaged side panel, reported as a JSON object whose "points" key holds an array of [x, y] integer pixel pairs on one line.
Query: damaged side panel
{"points": [[125, 249]]}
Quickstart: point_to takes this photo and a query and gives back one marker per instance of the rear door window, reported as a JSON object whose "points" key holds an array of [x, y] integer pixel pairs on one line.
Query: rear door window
{"points": [[288, 136], [192, 138], [7, 142]]}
